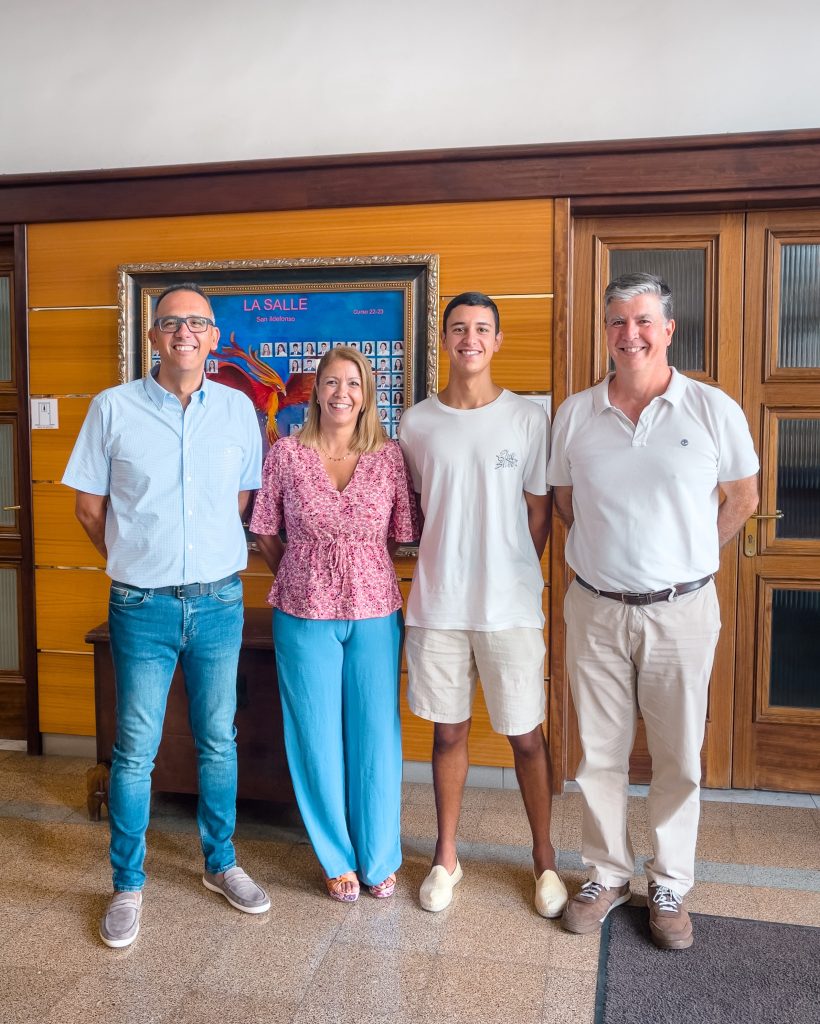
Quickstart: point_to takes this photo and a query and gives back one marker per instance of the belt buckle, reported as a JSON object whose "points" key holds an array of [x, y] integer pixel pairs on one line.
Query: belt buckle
{"points": [[640, 599]]}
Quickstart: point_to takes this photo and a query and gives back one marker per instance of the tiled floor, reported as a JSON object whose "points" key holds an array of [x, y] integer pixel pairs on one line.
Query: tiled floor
{"points": [[488, 958]]}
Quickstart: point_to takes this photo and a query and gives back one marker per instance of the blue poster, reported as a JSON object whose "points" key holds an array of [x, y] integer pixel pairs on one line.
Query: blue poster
{"points": [[271, 343]]}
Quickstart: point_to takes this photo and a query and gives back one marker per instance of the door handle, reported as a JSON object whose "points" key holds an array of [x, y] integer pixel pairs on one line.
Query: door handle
{"points": [[11, 508], [750, 533]]}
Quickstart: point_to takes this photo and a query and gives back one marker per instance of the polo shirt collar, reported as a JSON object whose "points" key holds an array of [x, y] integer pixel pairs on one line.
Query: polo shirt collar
{"points": [[673, 394], [157, 393], [677, 387], [600, 395]]}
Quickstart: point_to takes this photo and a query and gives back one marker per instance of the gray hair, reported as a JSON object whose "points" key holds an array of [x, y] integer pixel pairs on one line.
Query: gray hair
{"points": [[628, 286]]}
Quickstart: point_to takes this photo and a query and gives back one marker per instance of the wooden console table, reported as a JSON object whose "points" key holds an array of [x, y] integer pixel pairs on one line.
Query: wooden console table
{"points": [[262, 766]]}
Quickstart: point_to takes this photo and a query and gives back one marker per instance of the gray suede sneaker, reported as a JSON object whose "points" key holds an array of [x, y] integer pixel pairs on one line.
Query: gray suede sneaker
{"points": [[670, 926], [588, 909], [121, 921], [239, 889]]}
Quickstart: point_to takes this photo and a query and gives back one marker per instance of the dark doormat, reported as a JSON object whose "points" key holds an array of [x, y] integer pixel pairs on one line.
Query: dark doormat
{"points": [[737, 972]]}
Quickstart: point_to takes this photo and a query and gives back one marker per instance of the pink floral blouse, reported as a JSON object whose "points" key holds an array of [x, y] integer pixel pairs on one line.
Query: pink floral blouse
{"points": [[336, 564]]}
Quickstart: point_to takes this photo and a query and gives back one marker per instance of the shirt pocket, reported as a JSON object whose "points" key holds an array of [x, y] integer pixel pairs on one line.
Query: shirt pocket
{"points": [[218, 465], [224, 465]]}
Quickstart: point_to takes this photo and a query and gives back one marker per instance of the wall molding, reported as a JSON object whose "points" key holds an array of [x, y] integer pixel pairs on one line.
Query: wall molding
{"points": [[717, 171]]}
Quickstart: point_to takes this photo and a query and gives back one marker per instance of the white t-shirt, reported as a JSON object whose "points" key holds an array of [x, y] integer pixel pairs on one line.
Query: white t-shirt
{"points": [[645, 497], [477, 566]]}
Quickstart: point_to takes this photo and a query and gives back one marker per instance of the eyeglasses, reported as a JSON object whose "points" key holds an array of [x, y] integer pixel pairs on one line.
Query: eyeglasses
{"points": [[195, 324]]}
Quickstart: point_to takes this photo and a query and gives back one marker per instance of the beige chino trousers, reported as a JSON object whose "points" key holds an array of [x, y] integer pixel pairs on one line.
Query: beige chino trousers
{"points": [[657, 658]]}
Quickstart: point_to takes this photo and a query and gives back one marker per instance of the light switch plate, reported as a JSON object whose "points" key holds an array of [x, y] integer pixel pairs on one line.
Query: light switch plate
{"points": [[44, 415]]}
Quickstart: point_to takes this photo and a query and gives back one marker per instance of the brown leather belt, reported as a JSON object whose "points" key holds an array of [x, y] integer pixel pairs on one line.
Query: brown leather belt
{"points": [[656, 595]]}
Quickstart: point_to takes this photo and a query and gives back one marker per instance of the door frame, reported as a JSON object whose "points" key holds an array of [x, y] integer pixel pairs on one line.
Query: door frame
{"points": [[769, 565], [15, 239], [572, 367]]}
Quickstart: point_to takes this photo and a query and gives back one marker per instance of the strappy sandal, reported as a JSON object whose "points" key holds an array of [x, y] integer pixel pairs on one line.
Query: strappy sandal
{"points": [[383, 889], [336, 891]]}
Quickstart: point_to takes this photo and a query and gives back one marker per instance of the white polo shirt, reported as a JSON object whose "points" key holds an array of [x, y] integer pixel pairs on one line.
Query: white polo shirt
{"points": [[477, 566], [645, 497]]}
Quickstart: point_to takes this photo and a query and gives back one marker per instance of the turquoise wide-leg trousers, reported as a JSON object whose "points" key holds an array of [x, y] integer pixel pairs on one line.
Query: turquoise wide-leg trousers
{"points": [[339, 684]]}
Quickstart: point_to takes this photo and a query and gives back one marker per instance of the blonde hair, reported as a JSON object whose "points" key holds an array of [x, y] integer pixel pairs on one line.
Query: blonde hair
{"points": [[369, 434]]}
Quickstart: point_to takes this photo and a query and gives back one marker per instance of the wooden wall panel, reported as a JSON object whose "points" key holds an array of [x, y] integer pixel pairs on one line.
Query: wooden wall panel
{"points": [[12, 708], [405, 567], [50, 449], [72, 351], [67, 693], [256, 588], [256, 564], [501, 247], [58, 537], [70, 602], [524, 361]]}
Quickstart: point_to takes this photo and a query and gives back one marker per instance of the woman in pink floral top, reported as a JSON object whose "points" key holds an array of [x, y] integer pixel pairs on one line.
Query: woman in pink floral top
{"points": [[342, 493]]}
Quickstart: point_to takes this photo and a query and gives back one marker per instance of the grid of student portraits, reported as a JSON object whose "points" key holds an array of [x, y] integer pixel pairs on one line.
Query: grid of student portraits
{"points": [[386, 357], [271, 344]]}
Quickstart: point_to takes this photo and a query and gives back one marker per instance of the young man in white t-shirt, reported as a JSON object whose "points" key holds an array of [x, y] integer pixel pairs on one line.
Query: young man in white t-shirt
{"points": [[478, 454]]}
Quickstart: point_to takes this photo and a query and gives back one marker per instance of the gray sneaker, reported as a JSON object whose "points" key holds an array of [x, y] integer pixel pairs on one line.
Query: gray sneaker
{"points": [[239, 889], [121, 921]]}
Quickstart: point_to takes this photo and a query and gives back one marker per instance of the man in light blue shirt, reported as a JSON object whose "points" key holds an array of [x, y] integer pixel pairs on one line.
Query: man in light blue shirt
{"points": [[163, 470]]}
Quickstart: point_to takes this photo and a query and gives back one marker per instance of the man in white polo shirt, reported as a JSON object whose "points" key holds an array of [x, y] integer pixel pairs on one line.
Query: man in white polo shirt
{"points": [[638, 466], [477, 455]]}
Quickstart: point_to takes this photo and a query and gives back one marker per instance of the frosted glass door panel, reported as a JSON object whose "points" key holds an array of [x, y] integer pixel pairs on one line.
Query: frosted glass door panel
{"points": [[684, 270], [5, 330], [7, 518], [798, 478], [9, 625], [794, 681], [799, 325]]}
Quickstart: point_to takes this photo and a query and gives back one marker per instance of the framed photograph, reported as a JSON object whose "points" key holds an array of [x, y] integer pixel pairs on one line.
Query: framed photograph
{"points": [[278, 317]]}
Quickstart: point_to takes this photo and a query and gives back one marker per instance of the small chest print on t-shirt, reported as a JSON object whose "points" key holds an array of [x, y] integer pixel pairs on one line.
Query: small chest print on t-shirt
{"points": [[506, 459]]}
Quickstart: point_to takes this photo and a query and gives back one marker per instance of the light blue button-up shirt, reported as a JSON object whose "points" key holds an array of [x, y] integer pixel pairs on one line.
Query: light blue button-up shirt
{"points": [[172, 476]]}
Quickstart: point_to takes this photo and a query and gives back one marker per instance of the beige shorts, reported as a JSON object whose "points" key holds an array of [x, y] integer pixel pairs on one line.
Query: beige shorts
{"points": [[444, 665]]}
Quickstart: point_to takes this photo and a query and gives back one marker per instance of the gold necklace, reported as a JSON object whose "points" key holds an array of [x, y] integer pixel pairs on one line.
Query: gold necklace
{"points": [[332, 458]]}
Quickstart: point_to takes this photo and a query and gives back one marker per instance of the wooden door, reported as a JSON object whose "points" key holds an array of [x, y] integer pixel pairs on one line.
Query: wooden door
{"points": [[18, 698], [777, 730], [701, 257]]}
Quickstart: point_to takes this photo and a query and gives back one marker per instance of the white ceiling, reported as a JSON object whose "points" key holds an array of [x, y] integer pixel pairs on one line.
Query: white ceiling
{"points": [[105, 83]]}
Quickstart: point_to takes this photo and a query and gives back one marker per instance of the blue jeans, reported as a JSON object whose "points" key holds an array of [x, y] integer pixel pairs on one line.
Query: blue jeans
{"points": [[339, 683], [149, 634]]}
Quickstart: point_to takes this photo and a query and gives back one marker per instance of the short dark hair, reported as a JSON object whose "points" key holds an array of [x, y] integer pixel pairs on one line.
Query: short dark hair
{"points": [[185, 286], [630, 286], [471, 299]]}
